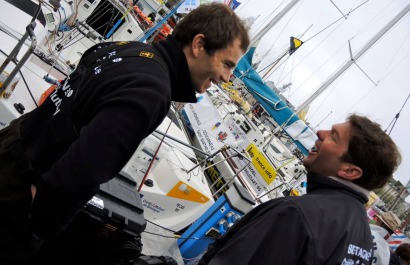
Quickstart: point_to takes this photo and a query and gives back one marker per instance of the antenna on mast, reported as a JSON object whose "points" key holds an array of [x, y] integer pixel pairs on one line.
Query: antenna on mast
{"points": [[323, 120]]}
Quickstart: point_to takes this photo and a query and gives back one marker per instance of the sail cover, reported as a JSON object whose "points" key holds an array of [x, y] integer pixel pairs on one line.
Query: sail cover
{"points": [[300, 133]]}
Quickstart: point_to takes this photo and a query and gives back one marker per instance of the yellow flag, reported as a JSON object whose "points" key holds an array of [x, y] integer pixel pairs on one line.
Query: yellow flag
{"points": [[294, 44]]}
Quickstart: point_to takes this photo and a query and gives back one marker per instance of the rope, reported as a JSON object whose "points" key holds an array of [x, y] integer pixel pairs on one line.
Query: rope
{"points": [[283, 29], [317, 46], [329, 92], [397, 116], [351, 11], [267, 17], [153, 158], [382, 78]]}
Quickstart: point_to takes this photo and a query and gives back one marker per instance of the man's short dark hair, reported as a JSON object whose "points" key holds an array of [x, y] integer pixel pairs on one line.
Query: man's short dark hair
{"points": [[403, 251], [371, 149], [219, 24]]}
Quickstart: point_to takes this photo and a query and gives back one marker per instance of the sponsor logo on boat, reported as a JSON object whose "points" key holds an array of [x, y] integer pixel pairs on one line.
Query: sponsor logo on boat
{"points": [[222, 136]]}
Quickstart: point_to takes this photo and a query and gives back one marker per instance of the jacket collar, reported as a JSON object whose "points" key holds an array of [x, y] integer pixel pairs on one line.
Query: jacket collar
{"points": [[183, 89], [352, 186], [317, 182]]}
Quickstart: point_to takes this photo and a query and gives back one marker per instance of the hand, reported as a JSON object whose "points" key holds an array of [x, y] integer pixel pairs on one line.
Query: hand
{"points": [[33, 191]]}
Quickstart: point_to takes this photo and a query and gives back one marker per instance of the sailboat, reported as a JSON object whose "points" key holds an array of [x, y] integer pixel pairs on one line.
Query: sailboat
{"points": [[175, 191]]}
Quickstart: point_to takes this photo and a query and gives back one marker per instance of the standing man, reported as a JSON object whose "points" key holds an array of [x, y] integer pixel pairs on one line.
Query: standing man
{"points": [[329, 224], [88, 129]]}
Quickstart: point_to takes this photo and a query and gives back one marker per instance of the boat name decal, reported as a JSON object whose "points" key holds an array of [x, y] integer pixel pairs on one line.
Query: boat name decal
{"points": [[250, 173], [152, 206], [195, 115], [205, 140], [179, 207]]}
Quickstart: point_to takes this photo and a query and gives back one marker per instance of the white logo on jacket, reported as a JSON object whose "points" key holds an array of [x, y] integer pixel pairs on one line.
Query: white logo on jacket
{"points": [[358, 256], [56, 99]]}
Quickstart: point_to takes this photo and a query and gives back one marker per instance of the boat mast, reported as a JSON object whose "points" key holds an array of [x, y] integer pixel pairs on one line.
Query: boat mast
{"points": [[353, 59], [255, 40]]}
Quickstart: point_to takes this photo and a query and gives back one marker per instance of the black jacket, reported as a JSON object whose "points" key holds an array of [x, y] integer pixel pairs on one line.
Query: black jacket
{"points": [[87, 131], [328, 225]]}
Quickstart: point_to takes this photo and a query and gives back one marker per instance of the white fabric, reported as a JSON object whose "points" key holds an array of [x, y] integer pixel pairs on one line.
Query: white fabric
{"points": [[301, 132], [381, 253]]}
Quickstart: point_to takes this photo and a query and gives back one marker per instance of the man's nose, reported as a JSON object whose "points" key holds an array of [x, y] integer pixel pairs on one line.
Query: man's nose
{"points": [[226, 75], [321, 134]]}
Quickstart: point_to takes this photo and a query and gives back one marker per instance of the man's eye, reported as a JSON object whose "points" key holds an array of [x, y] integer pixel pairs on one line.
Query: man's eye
{"points": [[228, 65]]}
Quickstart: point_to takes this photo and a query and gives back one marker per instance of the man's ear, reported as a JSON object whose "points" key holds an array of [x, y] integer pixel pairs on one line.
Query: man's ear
{"points": [[349, 172], [197, 44]]}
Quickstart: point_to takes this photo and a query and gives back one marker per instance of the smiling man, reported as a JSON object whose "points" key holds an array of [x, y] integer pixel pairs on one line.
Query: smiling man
{"points": [[329, 224], [88, 129]]}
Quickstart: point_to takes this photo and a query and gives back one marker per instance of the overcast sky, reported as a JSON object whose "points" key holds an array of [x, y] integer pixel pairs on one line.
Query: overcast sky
{"points": [[387, 63]]}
